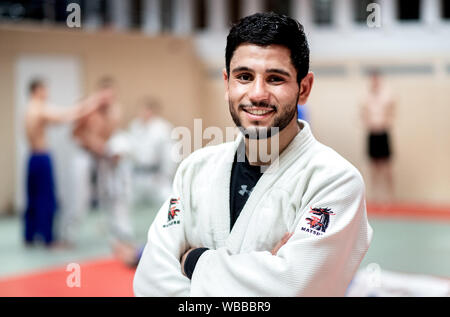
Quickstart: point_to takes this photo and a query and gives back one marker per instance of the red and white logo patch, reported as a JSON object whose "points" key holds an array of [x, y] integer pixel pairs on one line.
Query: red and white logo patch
{"points": [[173, 212], [318, 221]]}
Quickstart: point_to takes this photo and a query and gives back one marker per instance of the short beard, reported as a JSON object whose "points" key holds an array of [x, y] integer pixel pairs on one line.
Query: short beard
{"points": [[260, 133]]}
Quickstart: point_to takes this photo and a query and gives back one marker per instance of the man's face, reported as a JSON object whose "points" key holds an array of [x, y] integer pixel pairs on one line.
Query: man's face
{"points": [[262, 89], [375, 82], [109, 95], [146, 113], [42, 92]]}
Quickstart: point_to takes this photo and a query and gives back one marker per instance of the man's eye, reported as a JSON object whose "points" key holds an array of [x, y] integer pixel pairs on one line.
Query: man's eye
{"points": [[244, 77], [275, 79]]}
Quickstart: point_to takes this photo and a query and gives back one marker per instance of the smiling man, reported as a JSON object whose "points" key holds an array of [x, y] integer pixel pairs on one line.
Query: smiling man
{"points": [[238, 225]]}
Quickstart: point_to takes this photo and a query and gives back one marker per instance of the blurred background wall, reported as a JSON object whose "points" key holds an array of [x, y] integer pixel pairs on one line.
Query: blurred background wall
{"points": [[174, 50]]}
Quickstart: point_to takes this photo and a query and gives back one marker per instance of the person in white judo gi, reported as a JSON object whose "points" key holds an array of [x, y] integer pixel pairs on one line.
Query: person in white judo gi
{"points": [[151, 145], [100, 135], [299, 228]]}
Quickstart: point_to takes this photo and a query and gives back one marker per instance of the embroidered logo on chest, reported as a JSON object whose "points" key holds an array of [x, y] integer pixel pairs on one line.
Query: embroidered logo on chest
{"points": [[318, 221], [244, 190], [173, 212]]}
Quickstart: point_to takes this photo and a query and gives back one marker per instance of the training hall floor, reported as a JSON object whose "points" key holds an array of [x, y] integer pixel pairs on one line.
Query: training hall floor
{"points": [[409, 256]]}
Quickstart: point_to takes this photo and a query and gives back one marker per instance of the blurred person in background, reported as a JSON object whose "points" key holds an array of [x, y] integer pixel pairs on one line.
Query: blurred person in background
{"points": [[41, 197], [378, 116], [151, 146], [99, 134], [153, 167]]}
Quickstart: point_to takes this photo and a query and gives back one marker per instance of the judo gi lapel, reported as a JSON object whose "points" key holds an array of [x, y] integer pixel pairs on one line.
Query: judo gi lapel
{"points": [[221, 196], [297, 146]]}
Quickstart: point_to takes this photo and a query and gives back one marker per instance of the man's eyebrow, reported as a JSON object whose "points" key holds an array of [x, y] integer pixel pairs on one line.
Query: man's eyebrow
{"points": [[278, 71], [240, 69]]}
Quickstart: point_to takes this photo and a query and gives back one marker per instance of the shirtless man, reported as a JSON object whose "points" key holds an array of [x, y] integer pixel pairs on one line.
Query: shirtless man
{"points": [[94, 131], [377, 115], [98, 134], [41, 200]]}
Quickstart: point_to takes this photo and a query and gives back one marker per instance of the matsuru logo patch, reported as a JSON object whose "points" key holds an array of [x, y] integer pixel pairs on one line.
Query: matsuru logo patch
{"points": [[319, 220], [173, 212]]}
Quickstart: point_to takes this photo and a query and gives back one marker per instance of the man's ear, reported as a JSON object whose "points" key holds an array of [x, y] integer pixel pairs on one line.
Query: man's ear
{"points": [[305, 88], [225, 81]]}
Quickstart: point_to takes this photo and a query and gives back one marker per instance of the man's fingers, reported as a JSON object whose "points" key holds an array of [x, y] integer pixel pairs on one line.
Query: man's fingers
{"points": [[286, 237], [277, 247], [282, 242]]}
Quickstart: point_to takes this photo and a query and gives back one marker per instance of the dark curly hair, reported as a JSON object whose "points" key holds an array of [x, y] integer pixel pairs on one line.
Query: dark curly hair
{"points": [[271, 28]]}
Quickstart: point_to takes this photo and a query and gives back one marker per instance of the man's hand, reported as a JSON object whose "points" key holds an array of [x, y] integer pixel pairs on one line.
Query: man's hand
{"points": [[183, 259], [282, 242]]}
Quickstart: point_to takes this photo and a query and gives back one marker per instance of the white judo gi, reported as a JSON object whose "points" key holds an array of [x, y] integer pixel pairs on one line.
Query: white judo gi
{"points": [[114, 187], [154, 168], [312, 191]]}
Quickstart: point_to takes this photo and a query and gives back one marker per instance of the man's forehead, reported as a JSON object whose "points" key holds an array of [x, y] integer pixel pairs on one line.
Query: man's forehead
{"points": [[269, 54]]}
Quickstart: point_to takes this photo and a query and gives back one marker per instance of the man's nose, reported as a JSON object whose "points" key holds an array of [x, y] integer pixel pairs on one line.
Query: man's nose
{"points": [[258, 91]]}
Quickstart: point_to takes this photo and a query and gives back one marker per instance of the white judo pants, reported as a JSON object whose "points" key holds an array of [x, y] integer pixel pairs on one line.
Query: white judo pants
{"points": [[78, 201], [113, 189]]}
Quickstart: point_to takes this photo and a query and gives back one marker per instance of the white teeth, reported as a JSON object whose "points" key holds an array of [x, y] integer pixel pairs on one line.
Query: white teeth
{"points": [[258, 112]]}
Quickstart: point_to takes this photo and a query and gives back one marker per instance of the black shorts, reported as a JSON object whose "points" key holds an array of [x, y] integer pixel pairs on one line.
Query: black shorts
{"points": [[379, 147]]}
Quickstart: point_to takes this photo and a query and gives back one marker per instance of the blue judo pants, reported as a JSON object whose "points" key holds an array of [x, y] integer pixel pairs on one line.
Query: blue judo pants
{"points": [[41, 199]]}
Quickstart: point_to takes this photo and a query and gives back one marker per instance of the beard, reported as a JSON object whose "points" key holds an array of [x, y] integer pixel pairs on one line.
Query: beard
{"points": [[280, 121]]}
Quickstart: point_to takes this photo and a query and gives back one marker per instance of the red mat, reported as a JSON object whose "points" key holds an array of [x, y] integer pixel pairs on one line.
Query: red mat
{"points": [[415, 212], [99, 278]]}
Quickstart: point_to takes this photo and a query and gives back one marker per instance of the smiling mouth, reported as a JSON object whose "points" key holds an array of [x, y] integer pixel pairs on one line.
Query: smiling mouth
{"points": [[258, 111]]}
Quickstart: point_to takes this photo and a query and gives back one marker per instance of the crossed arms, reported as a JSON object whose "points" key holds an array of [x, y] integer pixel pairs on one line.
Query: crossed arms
{"points": [[299, 265]]}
